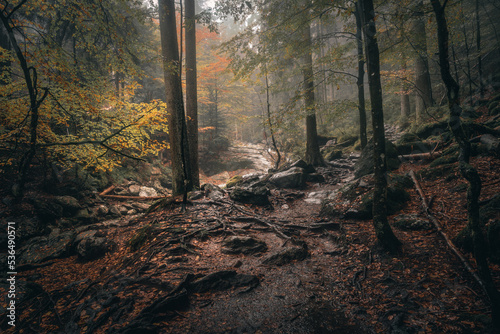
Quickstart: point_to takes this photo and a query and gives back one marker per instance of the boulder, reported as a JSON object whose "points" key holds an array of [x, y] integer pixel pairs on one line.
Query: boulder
{"points": [[308, 168], [47, 210], [40, 249], [91, 245], [69, 204], [364, 165], [291, 178], [213, 192], [318, 197], [243, 245], [253, 195], [148, 192]]}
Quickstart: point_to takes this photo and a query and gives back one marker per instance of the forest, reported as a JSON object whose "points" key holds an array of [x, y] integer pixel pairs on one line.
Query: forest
{"points": [[250, 166]]}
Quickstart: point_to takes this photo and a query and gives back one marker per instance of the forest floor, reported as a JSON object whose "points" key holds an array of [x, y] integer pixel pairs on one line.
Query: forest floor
{"points": [[181, 280]]}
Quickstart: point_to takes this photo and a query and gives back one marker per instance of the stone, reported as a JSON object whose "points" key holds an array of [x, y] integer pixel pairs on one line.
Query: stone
{"points": [[69, 204], [47, 210], [91, 246], [243, 245], [286, 256], [291, 178], [304, 165], [102, 210], [253, 195], [364, 165], [213, 192], [318, 197], [41, 249], [134, 189], [315, 178], [196, 195], [234, 181], [147, 192], [114, 210]]}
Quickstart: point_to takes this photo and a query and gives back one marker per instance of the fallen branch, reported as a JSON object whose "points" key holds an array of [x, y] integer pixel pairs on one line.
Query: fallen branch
{"points": [[107, 190], [135, 198], [440, 230], [423, 156]]}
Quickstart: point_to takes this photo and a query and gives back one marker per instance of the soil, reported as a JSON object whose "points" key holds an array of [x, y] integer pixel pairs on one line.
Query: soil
{"points": [[345, 285]]}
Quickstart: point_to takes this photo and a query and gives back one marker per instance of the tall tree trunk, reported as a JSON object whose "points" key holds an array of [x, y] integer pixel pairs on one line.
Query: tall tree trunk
{"points": [[383, 230], [313, 155], [192, 90], [5, 66], [422, 76], [182, 180], [405, 97], [467, 170], [478, 46], [30, 77], [269, 121], [361, 77]]}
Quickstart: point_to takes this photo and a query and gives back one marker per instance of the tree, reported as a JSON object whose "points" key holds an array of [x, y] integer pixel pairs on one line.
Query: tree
{"points": [[466, 169], [422, 77], [383, 230], [192, 89], [182, 177], [361, 76], [313, 155]]}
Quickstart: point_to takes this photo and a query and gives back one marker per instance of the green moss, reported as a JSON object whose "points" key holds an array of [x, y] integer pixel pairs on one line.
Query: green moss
{"points": [[234, 181]]}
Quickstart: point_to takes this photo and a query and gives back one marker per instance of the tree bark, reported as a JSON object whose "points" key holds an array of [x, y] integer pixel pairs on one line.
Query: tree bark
{"points": [[179, 149], [313, 154], [383, 230], [422, 76], [192, 90], [361, 77], [405, 97], [467, 170]]}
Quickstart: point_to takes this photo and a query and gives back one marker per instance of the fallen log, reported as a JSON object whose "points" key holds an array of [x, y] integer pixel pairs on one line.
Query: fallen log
{"points": [[421, 156], [443, 234]]}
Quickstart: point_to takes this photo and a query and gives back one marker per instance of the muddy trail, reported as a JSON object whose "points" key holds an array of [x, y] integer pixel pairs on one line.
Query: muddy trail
{"points": [[222, 266]]}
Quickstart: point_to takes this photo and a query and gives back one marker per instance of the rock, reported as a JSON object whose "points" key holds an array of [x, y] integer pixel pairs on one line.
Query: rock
{"points": [[40, 249], [364, 165], [291, 178], [29, 227], [85, 217], [147, 192], [286, 256], [213, 192], [318, 197], [134, 189], [91, 246], [140, 206], [47, 210], [223, 280], [114, 210], [304, 165], [243, 245], [254, 195], [196, 195], [102, 210], [315, 178], [69, 204], [411, 223], [234, 181]]}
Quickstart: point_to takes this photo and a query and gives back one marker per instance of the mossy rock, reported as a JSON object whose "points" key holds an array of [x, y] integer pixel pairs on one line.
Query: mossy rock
{"points": [[433, 129], [234, 181], [444, 160], [364, 165], [408, 137], [140, 237]]}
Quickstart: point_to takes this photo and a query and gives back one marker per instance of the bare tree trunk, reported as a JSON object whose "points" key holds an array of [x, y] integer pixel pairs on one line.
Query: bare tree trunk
{"points": [[30, 77], [422, 79], [467, 170], [383, 230], [361, 77], [313, 155], [478, 45], [271, 128], [405, 97], [179, 149], [192, 90]]}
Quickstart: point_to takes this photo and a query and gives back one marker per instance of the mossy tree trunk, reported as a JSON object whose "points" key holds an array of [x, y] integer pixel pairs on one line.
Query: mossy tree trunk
{"points": [[467, 170], [383, 230], [313, 154], [361, 77]]}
